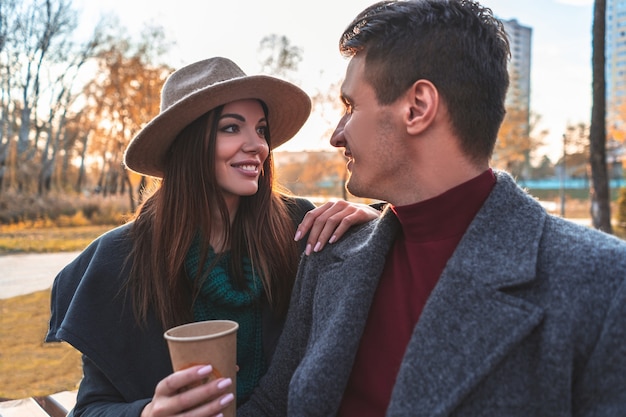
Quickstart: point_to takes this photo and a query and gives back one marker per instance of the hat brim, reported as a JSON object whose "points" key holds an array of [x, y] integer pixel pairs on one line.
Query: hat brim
{"points": [[288, 109]]}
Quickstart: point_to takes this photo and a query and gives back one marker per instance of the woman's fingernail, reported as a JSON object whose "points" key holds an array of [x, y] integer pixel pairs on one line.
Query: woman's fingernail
{"points": [[205, 370], [298, 235], [318, 246], [226, 382], [332, 239], [307, 251], [227, 399]]}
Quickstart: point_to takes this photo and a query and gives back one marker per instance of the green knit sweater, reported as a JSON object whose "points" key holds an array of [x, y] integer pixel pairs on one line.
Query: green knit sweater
{"points": [[220, 300]]}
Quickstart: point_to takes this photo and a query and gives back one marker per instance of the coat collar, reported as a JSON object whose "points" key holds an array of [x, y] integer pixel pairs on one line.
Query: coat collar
{"points": [[499, 248], [468, 324], [501, 244]]}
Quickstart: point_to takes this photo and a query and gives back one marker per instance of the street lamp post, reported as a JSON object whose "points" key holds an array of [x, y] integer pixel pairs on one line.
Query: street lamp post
{"points": [[563, 173]]}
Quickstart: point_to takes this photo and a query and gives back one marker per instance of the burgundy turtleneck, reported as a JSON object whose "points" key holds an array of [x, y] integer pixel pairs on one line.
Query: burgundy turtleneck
{"points": [[430, 232]]}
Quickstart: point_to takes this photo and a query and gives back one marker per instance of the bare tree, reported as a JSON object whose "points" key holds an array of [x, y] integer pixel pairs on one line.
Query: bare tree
{"points": [[8, 22], [34, 42], [278, 56], [121, 99], [48, 118], [62, 93], [600, 192], [40, 33]]}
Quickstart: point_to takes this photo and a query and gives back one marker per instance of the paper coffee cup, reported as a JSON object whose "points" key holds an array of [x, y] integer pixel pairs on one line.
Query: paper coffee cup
{"points": [[212, 342]]}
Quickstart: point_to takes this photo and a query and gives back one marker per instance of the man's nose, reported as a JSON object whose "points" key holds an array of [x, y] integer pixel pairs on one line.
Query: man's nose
{"points": [[337, 138]]}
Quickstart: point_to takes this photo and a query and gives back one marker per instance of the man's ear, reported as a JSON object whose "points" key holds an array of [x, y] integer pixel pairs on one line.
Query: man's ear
{"points": [[421, 106]]}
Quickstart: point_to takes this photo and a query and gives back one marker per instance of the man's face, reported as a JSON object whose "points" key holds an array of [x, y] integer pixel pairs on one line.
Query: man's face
{"points": [[368, 134]]}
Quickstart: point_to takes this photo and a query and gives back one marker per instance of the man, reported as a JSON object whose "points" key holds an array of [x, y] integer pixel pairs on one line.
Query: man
{"points": [[466, 298]]}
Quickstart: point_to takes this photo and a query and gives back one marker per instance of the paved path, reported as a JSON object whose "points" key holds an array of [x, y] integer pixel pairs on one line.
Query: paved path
{"points": [[25, 273]]}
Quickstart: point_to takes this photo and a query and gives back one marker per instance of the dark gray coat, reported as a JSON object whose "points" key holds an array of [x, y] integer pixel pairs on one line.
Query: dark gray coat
{"points": [[122, 361], [528, 319]]}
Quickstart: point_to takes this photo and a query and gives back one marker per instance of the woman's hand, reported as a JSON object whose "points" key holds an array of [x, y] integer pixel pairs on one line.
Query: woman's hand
{"points": [[185, 391], [329, 222]]}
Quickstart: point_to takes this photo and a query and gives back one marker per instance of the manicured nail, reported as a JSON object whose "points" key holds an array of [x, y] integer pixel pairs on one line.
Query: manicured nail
{"points": [[227, 399], [226, 382], [205, 370], [318, 247], [298, 235], [332, 239], [307, 251]]}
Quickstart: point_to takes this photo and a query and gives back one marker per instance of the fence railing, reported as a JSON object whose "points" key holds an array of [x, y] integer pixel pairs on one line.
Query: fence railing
{"points": [[55, 405]]}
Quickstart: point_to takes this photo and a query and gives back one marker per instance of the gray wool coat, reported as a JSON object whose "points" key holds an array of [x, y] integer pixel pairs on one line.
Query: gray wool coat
{"points": [[528, 319]]}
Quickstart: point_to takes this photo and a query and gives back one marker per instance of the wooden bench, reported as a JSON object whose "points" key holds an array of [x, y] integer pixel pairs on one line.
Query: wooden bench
{"points": [[55, 405]]}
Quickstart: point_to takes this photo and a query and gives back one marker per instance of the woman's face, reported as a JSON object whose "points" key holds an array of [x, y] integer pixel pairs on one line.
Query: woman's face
{"points": [[241, 148]]}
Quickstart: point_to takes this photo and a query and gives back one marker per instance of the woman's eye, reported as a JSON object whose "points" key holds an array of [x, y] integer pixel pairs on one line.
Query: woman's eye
{"points": [[262, 131], [230, 128]]}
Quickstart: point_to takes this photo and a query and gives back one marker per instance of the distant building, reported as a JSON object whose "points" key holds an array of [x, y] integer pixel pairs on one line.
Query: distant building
{"points": [[615, 53], [517, 99], [302, 157], [615, 57], [520, 39], [285, 157]]}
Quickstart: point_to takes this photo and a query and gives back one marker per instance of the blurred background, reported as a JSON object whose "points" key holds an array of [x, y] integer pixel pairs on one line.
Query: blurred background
{"points": [[79, 78]]}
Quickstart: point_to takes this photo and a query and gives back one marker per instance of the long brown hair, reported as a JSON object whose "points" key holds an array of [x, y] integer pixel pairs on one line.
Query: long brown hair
{"points": [[182, 206]]}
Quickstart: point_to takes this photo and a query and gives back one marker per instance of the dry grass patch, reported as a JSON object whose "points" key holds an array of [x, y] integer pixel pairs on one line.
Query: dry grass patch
{"points": [[47, 239], [30, 367]]}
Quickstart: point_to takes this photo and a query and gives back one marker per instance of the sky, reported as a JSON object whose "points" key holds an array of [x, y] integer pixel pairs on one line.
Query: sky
{"points": [[560, 60]]}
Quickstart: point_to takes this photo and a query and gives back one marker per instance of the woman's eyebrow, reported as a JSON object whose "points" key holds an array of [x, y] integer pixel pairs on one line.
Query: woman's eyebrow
{"points": [[234, 116]]}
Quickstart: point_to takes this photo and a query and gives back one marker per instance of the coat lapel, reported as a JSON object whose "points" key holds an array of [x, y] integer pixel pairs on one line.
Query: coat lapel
{"points": [[343, 283], [469, 324]]}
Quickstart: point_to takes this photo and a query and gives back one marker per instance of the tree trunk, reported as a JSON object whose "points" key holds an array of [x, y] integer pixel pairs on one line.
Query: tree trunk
{"points": [[80, 181], [600, 192], [129, 185]]}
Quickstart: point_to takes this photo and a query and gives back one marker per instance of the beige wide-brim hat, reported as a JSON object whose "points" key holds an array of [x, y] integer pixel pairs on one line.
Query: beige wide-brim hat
{"points": [[193, 90]]}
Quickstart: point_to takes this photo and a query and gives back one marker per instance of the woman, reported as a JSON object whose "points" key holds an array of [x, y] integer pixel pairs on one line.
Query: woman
{"points": [[214, 240]]}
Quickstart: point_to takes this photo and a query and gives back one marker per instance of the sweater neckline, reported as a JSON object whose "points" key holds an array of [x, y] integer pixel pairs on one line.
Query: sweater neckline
{"points": [[448, 214]]}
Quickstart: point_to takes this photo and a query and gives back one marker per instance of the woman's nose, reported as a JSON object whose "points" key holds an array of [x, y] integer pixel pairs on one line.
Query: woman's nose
{"points": [[254, 143]]}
